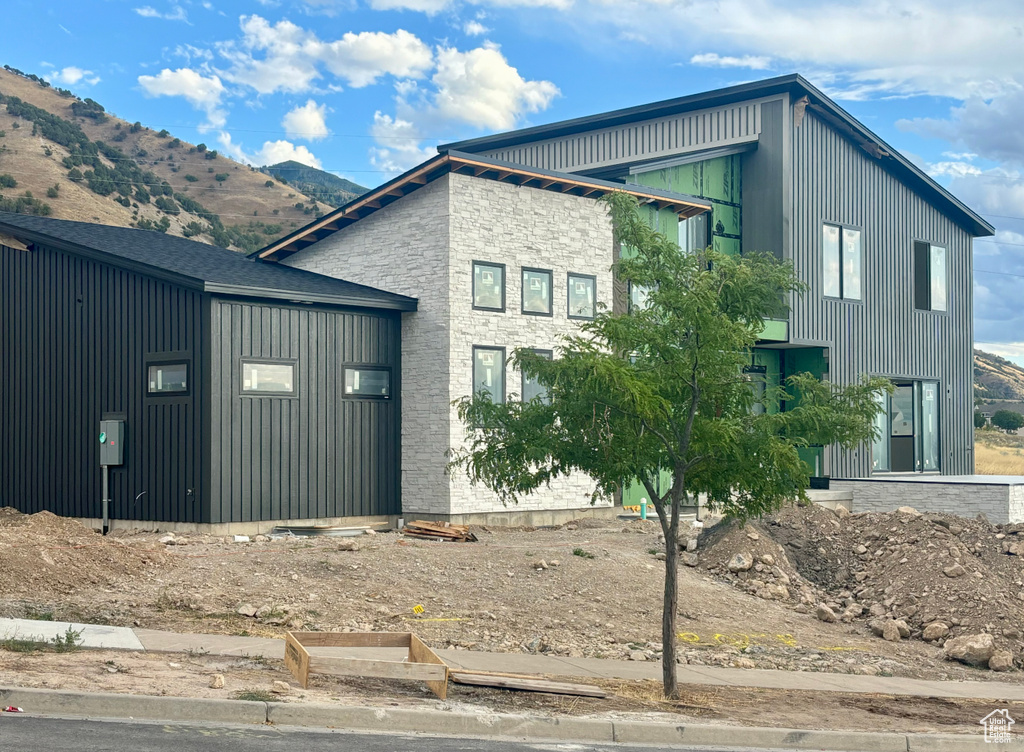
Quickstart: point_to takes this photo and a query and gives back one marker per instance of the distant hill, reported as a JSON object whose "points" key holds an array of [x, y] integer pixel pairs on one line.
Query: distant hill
{"points": [[996, 378], [316, 183], [69, 158]]}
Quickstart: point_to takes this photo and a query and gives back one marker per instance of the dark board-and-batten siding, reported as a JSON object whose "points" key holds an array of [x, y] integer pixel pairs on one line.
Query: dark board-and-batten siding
{"points": [[75, 338], [315, 455], [834, 180]]}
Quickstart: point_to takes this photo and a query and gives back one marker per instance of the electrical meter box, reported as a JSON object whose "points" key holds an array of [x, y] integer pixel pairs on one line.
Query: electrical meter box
{"points": [[111, 442]]}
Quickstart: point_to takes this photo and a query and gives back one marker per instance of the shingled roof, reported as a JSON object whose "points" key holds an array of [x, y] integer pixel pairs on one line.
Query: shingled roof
{"points": [[195, 265]]}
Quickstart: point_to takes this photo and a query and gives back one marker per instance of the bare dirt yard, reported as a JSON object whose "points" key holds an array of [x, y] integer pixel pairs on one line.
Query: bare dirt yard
{"points": [[750, 597]]}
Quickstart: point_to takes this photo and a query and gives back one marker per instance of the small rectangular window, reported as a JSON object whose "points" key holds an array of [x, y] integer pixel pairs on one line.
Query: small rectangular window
{"points": [[274, 378], [930, 283], [489, 372], [695, 233], [537, 292], [531, 388], [368, 382], [488, 286], [168, 378], [639, 297], [582, 296], [841, 254]]}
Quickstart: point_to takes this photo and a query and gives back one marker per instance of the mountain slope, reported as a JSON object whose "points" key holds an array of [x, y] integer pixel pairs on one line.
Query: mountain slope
{"points": [[77, 161], [996, 378], [313, 182]]}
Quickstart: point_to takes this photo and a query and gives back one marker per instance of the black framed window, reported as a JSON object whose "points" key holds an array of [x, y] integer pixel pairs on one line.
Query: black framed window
{"points": [[930, 285], [842, 259], [537, 292], [489, 372], [268, 377], [368, 381], [582, 296], [695, 233], [531, 388], [167, 378], [757, 377], [488, 286]]}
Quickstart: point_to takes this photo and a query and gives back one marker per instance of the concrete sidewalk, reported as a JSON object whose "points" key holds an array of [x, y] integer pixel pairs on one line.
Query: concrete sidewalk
{"points": [[599, 668]]}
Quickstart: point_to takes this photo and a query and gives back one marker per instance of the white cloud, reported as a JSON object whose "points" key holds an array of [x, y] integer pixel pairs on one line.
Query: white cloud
{"points": [[287, 57], [714, 60], [474, 29], [202, 92], [952, 169], [399, 141], [270, 153], [191, 53], [177, 13], [72, 75], [308, 122], [960, 156], [430, 7]]}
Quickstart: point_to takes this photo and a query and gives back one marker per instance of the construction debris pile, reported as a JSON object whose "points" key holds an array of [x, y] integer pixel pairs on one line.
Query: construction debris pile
{"points": [[45, 553], [440, 531], [954, 582]]}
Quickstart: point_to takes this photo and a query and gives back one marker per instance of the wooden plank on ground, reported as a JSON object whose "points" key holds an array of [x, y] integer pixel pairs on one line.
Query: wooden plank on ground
{"points": [[425, 672], [353, 639], [420, 653], [525, 683], [296, 658]]}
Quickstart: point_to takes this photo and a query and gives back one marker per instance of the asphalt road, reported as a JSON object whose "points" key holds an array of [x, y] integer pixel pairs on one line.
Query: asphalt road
{"points": [[20, 733]]}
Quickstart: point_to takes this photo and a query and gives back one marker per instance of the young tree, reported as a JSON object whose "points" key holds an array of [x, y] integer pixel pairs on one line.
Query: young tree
{"points": [[1007, 420], [979, 419], [661, 389]]}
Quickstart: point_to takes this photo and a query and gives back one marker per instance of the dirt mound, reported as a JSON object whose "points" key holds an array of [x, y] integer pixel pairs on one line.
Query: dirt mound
{"points": [[46, 553], [965, 575]]}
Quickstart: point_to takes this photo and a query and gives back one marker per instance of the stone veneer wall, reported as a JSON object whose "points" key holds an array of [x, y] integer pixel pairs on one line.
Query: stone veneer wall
{"points": [[404, 249], [423, 245], [999, 502], [519, 226]]}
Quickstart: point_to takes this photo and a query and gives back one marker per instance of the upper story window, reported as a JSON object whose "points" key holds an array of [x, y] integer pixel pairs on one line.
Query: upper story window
{"points": [[639, 297], [930, 291], [532, 389], [695, 233], [842, 260], [582, 295], [488, 286], [268, 378], [489, 372], [537, 291]]}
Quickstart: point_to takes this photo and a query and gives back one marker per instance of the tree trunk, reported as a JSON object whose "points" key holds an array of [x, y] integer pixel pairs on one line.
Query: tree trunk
{"points": [[671, 602]]}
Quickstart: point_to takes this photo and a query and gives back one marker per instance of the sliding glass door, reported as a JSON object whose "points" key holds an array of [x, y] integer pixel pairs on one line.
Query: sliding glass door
{"points": [[908, 429]]}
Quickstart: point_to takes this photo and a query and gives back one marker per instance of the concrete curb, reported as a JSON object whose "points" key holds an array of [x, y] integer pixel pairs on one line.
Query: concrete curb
{"points": [[440, 722]]}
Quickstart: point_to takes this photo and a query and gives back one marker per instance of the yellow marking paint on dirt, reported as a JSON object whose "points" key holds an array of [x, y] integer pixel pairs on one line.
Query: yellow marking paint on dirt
{"points": [[743, 640]]}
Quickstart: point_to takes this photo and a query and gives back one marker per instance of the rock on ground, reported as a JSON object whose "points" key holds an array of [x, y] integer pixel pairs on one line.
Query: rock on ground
{"points": [[1001, 660], [974, 650], [741, 562]]}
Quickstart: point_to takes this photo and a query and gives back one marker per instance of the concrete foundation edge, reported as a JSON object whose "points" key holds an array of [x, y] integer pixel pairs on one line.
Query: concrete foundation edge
{"points": [[440, 722]]}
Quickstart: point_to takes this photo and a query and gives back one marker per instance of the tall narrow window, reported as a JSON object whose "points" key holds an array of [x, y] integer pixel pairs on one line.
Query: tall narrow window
{"points": [[930, 285], [695, 233], [639, 297], [488, 286], [758, 378], [582, 295], [537, 292], [489, 372], [531, 388], [841, 255]]}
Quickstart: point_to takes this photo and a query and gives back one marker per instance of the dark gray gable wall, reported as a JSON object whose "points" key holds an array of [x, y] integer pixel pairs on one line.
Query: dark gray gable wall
{"points": [[74, 344], [834, 180], [317, 454]]}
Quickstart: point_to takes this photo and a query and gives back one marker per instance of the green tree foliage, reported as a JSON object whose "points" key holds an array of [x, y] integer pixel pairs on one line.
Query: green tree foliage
{"points": [[25, 205], [191, 178], [75, 175], [87, 108], [7, 181], [220, 177], [166, 204], [53, 191], [135, 127], [660, 390], [1008, 420], [979, 420]]}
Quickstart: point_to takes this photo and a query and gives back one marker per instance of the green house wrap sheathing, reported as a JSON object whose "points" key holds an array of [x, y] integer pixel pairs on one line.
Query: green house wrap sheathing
{"points": [[718, 180]]}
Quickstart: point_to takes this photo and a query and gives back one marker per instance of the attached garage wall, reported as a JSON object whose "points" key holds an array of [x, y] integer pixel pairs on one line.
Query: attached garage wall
{"points": [[74, 342], [315, 455]]}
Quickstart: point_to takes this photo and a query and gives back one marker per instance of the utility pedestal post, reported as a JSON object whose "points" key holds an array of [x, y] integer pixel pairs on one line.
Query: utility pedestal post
{"points": [[111, 453]]}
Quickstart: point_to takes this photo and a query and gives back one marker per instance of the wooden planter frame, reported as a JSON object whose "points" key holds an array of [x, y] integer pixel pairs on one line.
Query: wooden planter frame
{"points": [[422, 663]]}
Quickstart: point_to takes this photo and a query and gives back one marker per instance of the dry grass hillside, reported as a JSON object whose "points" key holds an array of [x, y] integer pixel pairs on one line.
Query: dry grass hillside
{"points": [[998, 453], [92, 166], [996, 378]]}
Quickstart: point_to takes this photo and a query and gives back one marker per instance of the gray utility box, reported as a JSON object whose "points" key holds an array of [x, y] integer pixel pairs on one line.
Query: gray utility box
{"points": [[111, 442]]}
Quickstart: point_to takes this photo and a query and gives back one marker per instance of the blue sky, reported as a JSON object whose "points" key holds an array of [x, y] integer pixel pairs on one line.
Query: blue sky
{"points": [[368, 88]]}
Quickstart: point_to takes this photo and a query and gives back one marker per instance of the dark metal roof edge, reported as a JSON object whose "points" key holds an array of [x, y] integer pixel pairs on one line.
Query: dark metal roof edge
{"points": [[112, 259], [981, 227], [394, 303], [578, 178], [712, 98]]}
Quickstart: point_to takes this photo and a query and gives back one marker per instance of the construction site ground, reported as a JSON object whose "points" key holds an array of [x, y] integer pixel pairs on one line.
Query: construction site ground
{"points": [[585, 589]]}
